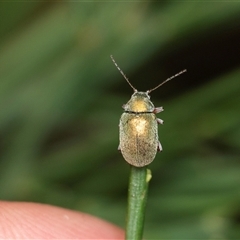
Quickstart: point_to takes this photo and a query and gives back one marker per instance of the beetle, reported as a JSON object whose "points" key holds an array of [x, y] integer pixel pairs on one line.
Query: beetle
{"points": [[138, 127]]}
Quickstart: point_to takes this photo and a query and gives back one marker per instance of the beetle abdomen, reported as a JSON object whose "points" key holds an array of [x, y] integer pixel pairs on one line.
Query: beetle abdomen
{"points": [[138, 138]]}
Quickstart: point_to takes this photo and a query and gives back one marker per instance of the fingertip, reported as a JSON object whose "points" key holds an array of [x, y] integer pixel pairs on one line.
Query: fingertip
{"points": [[33, 220]]}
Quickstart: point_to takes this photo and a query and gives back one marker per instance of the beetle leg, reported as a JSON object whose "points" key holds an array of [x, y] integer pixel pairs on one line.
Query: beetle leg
{"points": [[160, 121], [159, 148], [158, 109]]}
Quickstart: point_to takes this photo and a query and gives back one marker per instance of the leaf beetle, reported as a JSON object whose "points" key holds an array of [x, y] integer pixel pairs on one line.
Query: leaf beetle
{"points": [[138, 127]]}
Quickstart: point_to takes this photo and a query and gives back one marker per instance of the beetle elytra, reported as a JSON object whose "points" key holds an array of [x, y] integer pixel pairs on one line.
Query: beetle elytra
{"points": [[138, 127]]}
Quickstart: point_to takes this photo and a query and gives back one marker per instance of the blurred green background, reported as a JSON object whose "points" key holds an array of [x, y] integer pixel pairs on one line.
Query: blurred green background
{"points": [[61, 98]]}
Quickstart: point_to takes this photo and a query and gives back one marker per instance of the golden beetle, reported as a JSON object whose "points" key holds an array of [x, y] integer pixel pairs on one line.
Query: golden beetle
{"points": [[138, 126]]}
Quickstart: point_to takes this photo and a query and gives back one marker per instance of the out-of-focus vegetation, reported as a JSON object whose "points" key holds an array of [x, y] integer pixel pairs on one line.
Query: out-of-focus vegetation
{"points": [[61, 98]]}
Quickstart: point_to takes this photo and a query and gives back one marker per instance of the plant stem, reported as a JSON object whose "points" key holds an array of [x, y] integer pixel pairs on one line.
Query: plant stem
{"points": [[137, 199]]}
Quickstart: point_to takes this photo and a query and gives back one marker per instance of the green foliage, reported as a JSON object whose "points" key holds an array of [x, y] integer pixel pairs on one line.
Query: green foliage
{"points": [[61, 97]]}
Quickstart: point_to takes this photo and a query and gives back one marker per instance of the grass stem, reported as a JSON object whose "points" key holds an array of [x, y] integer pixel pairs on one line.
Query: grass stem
{"points": [[137, 199]]}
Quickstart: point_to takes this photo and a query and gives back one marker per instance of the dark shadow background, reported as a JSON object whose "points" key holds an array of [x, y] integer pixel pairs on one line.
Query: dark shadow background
{"points": [[61, 98]]}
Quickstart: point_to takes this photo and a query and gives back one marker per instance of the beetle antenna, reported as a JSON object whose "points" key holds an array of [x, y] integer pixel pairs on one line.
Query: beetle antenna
{"points": [[134, 89], [167, 80]]}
